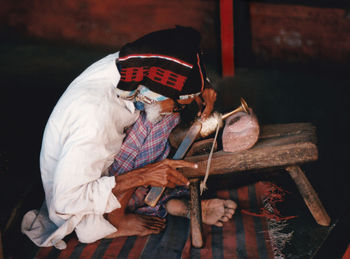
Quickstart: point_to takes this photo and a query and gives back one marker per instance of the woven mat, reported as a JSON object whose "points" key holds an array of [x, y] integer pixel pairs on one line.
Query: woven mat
{"points": [[244, 236]]}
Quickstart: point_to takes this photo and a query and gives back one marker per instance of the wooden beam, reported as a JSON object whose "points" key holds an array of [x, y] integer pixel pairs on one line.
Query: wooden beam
{"points": [[253, 159]]}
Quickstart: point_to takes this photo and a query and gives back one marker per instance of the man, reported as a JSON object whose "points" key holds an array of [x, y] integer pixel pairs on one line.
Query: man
{"points": [[106, 142]]}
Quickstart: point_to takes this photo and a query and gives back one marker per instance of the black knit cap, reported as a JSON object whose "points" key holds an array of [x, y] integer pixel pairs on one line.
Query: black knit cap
{"points": [[167, 62]]}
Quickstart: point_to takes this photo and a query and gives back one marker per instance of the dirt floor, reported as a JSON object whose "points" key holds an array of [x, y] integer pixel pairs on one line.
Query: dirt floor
{"points": [[34, 75]]}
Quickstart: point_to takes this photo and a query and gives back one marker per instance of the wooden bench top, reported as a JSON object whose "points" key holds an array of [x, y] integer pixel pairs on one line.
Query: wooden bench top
{"points": [[279, 145]]}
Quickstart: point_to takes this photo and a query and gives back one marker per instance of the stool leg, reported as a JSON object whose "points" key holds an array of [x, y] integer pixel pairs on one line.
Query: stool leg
{"points": [[196, 214], [309, 195]]}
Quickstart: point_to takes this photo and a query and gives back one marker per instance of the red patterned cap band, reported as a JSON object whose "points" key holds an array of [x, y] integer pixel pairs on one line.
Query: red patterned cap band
{"points": [[167, 62]]}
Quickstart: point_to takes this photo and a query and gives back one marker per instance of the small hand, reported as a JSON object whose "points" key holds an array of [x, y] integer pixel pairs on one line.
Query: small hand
{"points": [[209, 97], [164, 173]]}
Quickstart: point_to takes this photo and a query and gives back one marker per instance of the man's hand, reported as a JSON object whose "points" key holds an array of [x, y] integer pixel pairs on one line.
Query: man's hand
{"points": [[162, 173], [209, 97]]}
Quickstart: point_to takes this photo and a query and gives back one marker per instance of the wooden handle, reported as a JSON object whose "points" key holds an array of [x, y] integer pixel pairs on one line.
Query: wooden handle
{"points": [[196, 214]]}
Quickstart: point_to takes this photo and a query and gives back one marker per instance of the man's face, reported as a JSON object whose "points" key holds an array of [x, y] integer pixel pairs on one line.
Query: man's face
{"points": [[187, 108]]}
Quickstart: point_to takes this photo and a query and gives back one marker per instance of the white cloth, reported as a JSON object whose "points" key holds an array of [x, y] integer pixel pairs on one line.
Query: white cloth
{"points": [[85, 130]]}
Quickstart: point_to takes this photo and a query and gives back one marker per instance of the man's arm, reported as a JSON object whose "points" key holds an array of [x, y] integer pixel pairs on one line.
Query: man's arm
{"points": [[162, 173]]}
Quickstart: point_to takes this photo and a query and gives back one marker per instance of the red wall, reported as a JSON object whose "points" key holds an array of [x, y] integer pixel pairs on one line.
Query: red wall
{"points": [[107, 22], [300, 33], [279, 32]]}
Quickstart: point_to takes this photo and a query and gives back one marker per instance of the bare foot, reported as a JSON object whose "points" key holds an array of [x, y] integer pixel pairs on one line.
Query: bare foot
{"points": [[138, 225], [214, 211], [217, 211]]}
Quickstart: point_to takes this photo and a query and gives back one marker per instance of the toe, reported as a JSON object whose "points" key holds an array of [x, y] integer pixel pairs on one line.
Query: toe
{"points": [[218, 224], [224, 219], [150, 231], [230, 204], [229, 213]]}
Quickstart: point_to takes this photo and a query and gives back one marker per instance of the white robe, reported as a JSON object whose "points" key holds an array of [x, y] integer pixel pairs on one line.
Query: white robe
{"points": [[85, 130]]}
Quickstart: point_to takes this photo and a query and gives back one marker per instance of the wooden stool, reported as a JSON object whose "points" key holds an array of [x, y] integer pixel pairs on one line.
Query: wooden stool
{"points": [[279, 146]]}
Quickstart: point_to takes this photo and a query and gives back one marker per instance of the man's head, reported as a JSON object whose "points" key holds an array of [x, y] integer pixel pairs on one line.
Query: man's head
{"points": [[163, 67]]}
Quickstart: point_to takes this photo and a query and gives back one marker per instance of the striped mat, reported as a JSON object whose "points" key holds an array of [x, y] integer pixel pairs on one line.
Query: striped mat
{"points": [[244, 236]]}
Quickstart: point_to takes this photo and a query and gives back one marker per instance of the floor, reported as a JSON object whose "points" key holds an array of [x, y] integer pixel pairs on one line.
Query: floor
{"points": [[34, 74]]}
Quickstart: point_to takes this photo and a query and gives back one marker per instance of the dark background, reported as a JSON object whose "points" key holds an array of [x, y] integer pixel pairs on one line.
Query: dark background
{"points": [[292, 65]]}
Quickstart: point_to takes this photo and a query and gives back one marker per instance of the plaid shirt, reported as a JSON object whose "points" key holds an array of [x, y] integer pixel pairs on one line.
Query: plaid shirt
{"points": [[146, 143]]}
